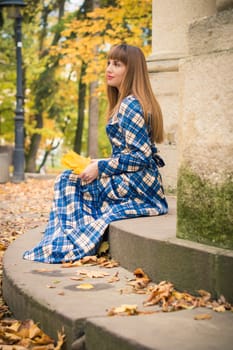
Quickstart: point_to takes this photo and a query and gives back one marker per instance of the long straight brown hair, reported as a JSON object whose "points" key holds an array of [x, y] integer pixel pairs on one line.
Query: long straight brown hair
{"points": [[136, 82]]}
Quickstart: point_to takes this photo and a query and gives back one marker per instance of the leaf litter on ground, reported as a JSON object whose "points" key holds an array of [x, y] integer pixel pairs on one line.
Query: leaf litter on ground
{"points": [[168, 299], [23, 206]]}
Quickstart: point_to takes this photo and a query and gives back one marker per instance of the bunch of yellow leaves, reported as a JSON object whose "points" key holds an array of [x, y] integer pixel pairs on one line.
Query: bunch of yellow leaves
{"points": [[75, 161]]}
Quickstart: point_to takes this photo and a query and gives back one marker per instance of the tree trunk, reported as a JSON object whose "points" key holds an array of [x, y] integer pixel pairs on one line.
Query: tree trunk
{"points": [[93, 122], [34, 146], [93, 109], [47, 153], [81, 110]]}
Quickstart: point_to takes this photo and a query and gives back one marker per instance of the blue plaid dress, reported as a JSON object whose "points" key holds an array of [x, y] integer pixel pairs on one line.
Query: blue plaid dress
{"points": [[129, 185]]}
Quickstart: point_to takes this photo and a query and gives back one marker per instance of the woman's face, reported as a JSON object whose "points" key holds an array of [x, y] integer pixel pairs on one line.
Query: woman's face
{"points": [[115, 73]]}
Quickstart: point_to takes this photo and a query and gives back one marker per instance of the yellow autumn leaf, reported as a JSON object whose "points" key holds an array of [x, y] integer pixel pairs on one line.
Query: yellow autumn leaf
{"points": [[85, 286], [75, 161]]}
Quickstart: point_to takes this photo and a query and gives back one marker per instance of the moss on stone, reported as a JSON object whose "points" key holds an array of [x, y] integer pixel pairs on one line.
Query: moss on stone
{"points": [[204, 210]]}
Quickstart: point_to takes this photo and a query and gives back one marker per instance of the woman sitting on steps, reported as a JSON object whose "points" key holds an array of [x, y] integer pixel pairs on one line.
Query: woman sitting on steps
{"points": [[127, 185]]}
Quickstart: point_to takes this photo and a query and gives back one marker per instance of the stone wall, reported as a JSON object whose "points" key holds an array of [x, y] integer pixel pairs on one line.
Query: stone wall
{"points": [[205, 179], [169, 44]]}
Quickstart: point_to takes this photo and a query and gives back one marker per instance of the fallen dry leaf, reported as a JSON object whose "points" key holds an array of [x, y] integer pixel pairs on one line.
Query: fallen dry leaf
{"points": [[108, 263], [114, 278], [28, 335], [42, 270], [160, 294], [85, 286], [61, 293], [138, 284], [71, 264], [3, 246], [93, 274], [76, 278], [220, 308], [141, 281], [60, 340], [202, 317], [139, 273], [165, 296], [123, 310], [92, 259]]}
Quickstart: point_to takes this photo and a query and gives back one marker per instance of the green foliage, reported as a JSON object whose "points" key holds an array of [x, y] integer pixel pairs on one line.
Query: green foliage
{"points": [[104, 146], [205, 211], [8, 81]]}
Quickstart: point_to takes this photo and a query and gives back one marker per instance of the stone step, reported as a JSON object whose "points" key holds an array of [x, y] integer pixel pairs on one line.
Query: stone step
{"points": [[163, 331], [151, 243], [47, 293]]}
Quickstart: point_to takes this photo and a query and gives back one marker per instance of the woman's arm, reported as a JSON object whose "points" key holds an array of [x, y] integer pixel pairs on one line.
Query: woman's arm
{"points": [[137, 152]]}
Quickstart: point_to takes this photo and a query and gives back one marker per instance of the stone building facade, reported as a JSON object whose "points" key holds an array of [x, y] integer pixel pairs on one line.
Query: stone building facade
{"points": [[191, 71]]}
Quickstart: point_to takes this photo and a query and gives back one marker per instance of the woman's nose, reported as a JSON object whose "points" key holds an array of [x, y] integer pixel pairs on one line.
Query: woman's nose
{"points": [[109, 68]]}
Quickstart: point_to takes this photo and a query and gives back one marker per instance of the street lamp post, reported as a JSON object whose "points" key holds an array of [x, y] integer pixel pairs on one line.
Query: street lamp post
{"points": [[13, 7]]}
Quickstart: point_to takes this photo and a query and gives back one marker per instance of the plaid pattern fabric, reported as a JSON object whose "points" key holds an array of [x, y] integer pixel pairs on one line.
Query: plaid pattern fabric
{"points": [[129, 185]]}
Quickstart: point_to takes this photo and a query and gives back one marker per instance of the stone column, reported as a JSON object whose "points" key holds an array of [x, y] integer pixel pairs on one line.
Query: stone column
{"points": [[205, 180], [169, 44]]}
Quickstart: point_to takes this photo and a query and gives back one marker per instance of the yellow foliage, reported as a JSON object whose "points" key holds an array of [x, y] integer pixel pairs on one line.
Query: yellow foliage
{"points": [[75, 162], [103, 28]]}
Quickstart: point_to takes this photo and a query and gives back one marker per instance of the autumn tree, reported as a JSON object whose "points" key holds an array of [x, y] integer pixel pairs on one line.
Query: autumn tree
{"points": [[86, 40], [39, 83], [45, 86]]}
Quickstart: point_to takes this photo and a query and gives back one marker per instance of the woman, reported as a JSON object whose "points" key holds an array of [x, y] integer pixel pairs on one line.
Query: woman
{"points": [[124, 186]]}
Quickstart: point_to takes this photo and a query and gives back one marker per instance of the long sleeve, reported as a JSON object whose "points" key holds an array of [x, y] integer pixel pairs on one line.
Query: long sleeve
{"points": [[135, 151]]}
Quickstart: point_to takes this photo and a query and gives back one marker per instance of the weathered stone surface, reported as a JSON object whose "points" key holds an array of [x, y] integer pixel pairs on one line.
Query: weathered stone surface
{"points": [[165, 85], [170, 24], [206, 124], [211, 34], [163, 331], [205, 180], [224, 4], [169, 43]]}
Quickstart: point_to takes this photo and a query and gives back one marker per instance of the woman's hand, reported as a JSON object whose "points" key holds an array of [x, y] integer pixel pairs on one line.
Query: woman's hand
{"points": [[91, 172]]}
